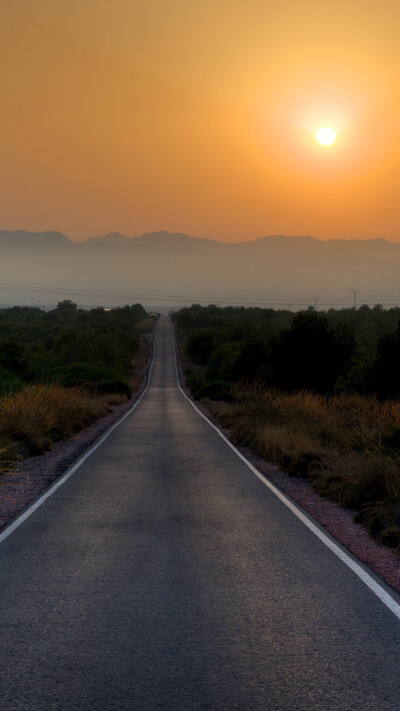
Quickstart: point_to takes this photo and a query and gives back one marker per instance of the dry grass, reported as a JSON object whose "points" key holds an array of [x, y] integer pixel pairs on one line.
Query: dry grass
{"points": [[343, 420], [32, 419], [114, 399], [347, 446]]}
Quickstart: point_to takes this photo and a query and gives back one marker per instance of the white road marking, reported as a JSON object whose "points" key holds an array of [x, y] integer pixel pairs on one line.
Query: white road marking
{"points": [[30, 510], [369, 581]]}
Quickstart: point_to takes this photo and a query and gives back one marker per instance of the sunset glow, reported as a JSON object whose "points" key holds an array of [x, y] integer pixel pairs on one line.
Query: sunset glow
{"points": [[200, 117]]}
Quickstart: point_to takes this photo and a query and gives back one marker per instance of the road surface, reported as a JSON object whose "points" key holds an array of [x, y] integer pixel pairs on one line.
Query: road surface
{"points": [[164, 575]]}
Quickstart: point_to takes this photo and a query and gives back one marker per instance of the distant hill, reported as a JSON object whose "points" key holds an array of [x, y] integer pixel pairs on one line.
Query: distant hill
{"points": [[174, 269]]}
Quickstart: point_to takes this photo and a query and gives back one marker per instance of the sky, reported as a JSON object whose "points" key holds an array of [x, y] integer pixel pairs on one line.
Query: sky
{"points": [[200, 117]]}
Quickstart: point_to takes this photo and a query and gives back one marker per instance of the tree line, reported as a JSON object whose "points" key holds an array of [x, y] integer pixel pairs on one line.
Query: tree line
{"points": [[69, 346], [347, 350]]}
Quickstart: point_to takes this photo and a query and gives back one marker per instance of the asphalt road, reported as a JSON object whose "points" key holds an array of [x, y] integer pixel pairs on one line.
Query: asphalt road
{"points": [[164, 575]]}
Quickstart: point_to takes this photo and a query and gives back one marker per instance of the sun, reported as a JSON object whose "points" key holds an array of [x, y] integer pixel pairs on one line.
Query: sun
{"points": [[326, 135]]}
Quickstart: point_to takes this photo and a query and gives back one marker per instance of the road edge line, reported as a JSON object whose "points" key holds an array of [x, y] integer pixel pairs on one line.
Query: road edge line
{"points": [[366, 578], [71, 470]]}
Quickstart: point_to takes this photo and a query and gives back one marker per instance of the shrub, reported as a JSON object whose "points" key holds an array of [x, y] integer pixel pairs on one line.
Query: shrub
{"points": [[222, 363], [200, 344], [120, 387], [217, 390], [310, 355], [42, 414], [386, 369]]}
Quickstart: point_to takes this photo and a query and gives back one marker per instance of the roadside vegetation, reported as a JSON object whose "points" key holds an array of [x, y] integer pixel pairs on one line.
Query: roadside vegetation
{"points": [[63, 369], [316, 393]]}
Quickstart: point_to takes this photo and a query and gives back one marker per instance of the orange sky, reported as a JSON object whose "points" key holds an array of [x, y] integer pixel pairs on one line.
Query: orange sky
{"points": [[199, 116]]}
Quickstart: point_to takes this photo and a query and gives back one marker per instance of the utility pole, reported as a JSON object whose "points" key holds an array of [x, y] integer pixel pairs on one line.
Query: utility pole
{"points": [[355, 291], [316, 298]]}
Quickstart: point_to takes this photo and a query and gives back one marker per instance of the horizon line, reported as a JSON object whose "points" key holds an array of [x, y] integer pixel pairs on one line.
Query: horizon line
{"points": [[204, 239]]}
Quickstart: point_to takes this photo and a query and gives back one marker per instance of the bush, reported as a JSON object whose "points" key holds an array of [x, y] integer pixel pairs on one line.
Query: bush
{"points": [[218, 390], [41, 414], [104, 387], [386, 370], [13, 356], [83, 373], [200, 344], [222, 363], [390, 536], [310, 355], [252, 361]]}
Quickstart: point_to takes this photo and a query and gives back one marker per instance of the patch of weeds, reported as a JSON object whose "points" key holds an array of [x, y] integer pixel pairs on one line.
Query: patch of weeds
{"points": [[303, 464], [390, 536]]}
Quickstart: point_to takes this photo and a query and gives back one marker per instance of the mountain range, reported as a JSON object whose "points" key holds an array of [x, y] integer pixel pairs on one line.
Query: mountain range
{"points": [[165, 269]]}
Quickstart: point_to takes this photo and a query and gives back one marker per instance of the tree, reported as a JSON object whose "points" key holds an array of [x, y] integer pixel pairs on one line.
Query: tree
{"points": [[67, 306], [386, 373], [222, 363], [252, 361], [13, 356], [310, 354], [200, 344]]}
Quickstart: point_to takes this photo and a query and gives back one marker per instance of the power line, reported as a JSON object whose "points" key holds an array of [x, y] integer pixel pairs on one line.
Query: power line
{"points": [[105, 294]]}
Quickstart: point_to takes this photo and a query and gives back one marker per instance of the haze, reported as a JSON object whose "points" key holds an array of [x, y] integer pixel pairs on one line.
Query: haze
{"points": [[162, 270], [199, 117]]}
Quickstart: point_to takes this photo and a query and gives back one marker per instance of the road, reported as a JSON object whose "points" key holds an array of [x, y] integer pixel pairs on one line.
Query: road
{"points": [[164, 575]]}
